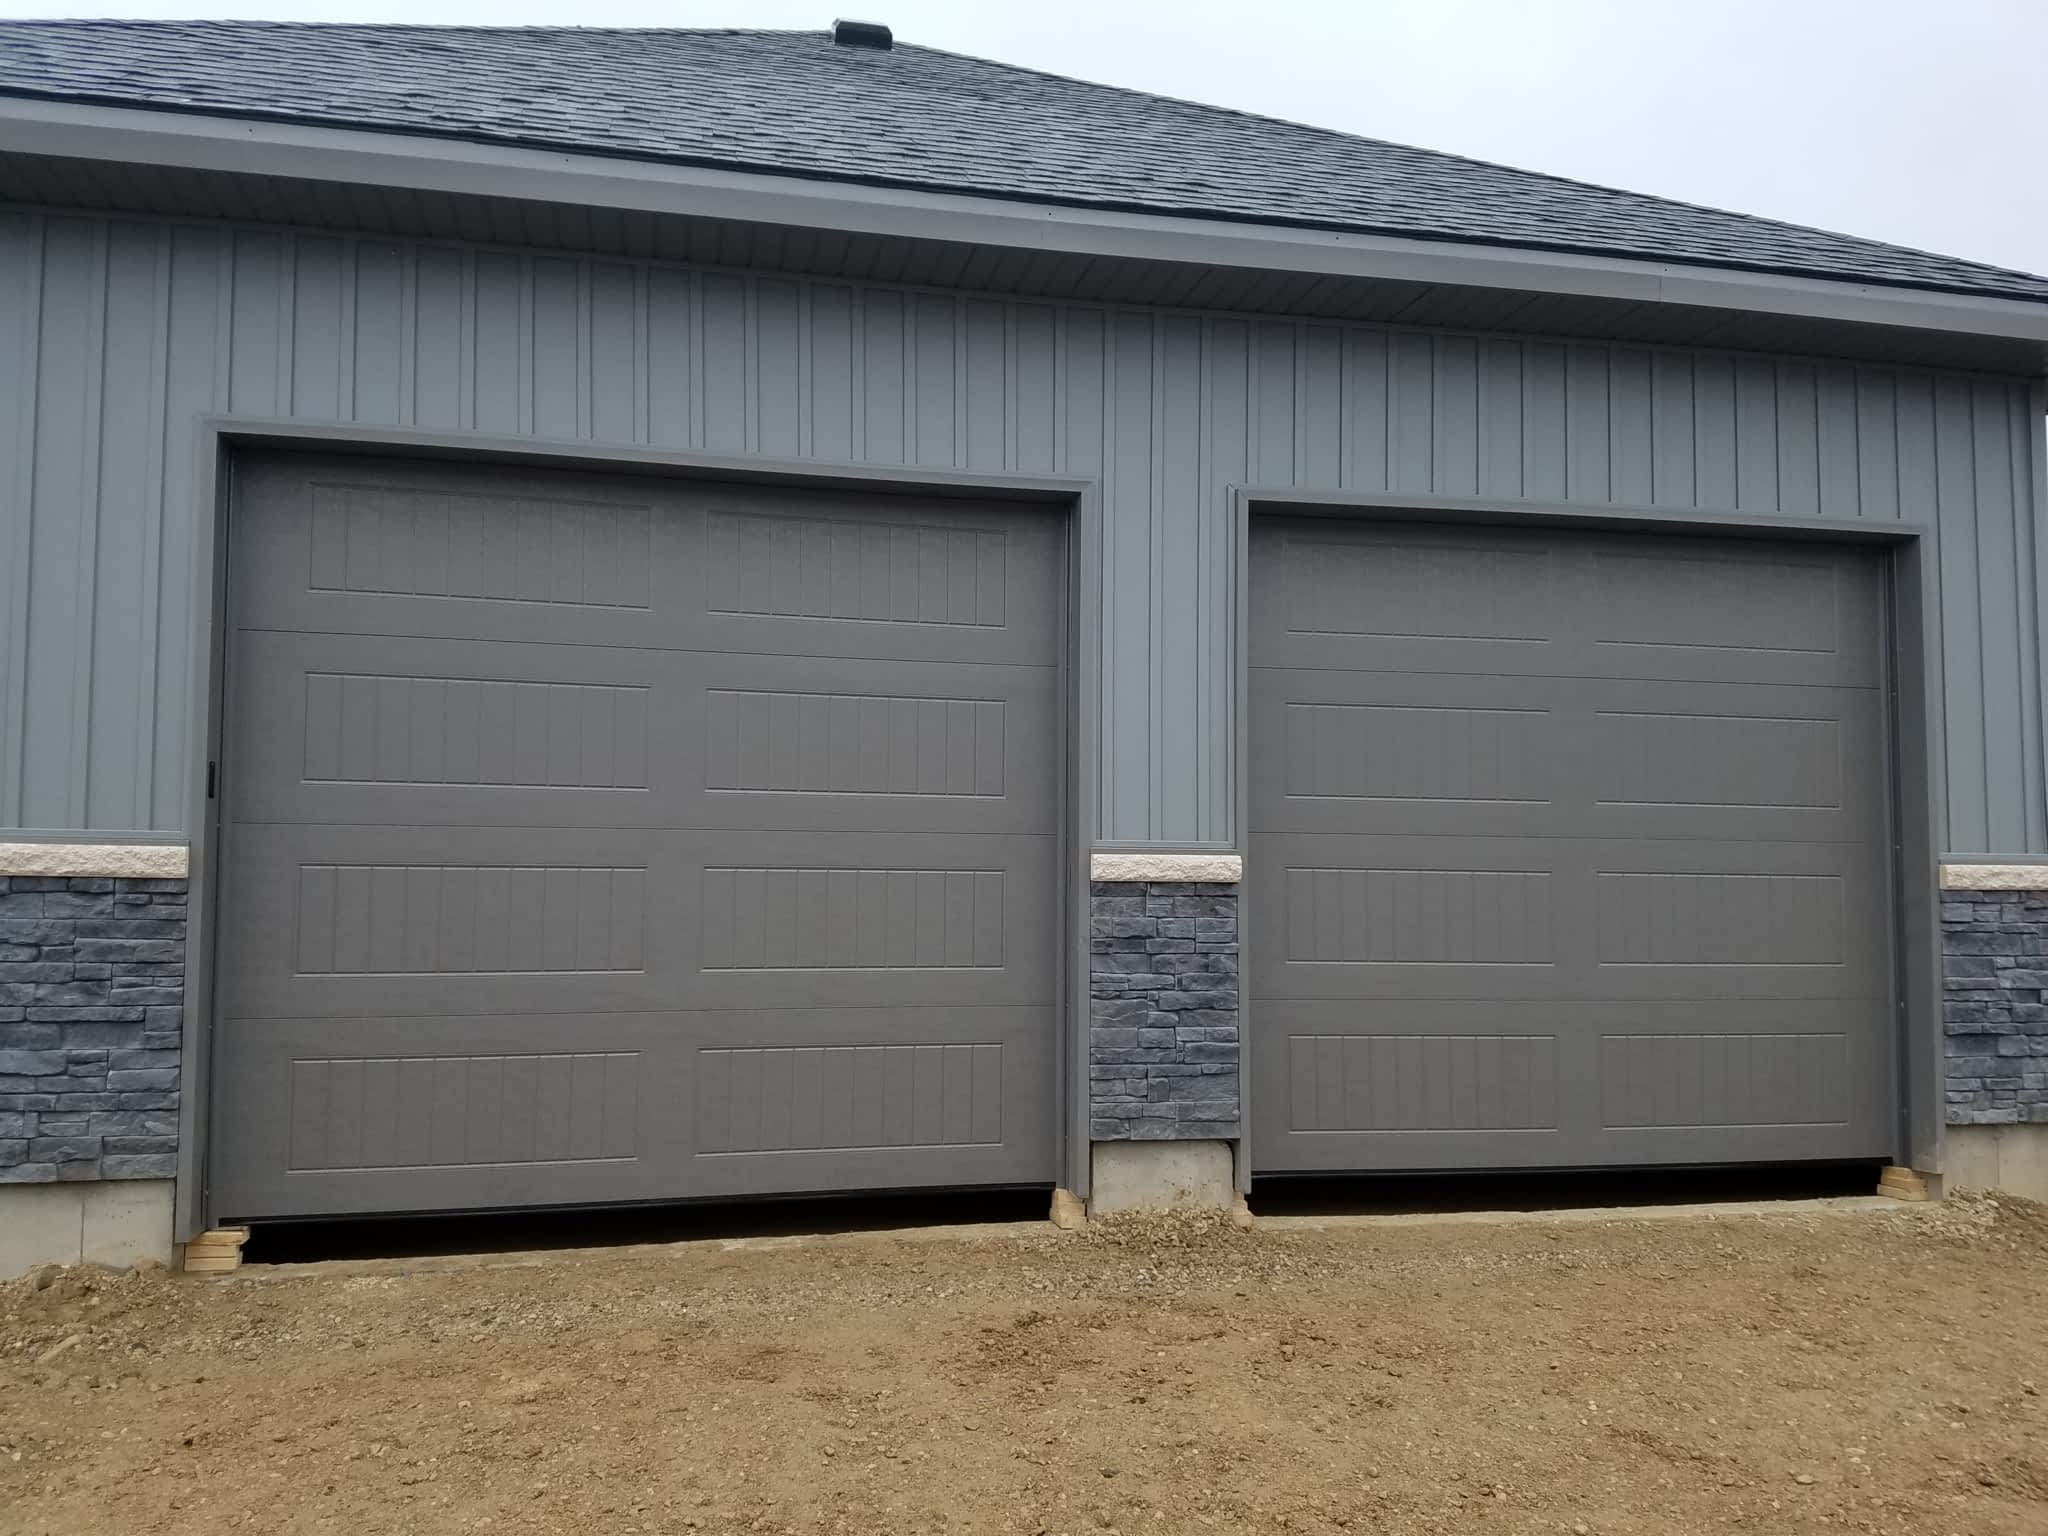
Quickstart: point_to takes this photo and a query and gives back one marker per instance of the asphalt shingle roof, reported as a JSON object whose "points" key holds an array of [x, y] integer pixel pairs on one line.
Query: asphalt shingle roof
{"points": [[796, 104]]}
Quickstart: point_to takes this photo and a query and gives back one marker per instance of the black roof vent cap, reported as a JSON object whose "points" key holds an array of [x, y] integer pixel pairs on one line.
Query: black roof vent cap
{"points": [[862, 34]]}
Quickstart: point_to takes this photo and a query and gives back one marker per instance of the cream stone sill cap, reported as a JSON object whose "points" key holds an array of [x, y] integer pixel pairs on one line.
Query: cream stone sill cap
{"points": [[1210, 868], [1994, 877], [124, 861]]}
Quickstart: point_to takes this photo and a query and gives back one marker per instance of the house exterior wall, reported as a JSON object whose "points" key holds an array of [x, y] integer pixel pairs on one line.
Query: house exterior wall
{"points": [[116, 333]]}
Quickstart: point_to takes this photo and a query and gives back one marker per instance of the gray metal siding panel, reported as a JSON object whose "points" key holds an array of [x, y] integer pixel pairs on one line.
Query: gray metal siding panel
{"points": [[20, 304], [129, 329], [62, 550], [2024, 432]]}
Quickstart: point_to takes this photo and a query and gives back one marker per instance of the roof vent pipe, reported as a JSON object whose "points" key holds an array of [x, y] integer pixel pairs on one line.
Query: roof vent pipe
{"points": [[862, 34]]}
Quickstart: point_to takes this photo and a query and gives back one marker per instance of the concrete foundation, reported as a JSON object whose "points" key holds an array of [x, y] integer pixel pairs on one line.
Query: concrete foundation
{"points": [[119, 1223], [1161, 1175], [2013, 1158]]}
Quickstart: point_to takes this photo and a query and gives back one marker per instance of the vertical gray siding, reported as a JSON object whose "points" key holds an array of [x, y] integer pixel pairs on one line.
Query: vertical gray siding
{"points": [[116, 333]]}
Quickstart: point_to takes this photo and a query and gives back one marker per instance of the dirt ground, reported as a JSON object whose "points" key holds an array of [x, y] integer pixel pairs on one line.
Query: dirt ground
{"points": [[1786, 1373]]}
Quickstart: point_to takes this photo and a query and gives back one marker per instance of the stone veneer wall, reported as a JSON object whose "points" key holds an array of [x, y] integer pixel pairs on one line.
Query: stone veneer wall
{"points": [[1995, 1006], [1162, 1013], [92, 987]]}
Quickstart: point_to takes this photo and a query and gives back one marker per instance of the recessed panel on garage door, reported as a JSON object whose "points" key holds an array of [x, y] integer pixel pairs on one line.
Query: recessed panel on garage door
{"points": [[605, 839], [1565, 849]]}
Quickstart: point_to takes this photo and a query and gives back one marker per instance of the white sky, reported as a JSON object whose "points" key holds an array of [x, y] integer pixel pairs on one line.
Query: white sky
{"points": [[1919, 121]]}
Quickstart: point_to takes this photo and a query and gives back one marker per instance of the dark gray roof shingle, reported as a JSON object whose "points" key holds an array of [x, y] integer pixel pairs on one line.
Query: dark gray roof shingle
{"points": [[794, 103]]}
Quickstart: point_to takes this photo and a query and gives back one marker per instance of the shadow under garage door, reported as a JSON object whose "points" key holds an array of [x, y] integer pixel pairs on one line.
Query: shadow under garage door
{"points": [[608, 839], [1565, 849]]}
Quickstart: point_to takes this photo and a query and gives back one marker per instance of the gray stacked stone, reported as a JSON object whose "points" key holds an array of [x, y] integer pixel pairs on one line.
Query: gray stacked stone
{"points": [[1162, 1027], [1995, 1006], [92, 988]]}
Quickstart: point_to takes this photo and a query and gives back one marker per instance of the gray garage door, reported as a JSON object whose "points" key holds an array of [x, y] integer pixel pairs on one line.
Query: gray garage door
{"points": [[598, 839], [1565, 849]]}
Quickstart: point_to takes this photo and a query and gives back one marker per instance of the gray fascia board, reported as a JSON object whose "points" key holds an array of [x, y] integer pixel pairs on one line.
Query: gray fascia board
{"points": [[196, 141]]}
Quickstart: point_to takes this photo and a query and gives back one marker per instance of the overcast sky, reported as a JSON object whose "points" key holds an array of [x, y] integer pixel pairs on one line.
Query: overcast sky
{"points": [[1919, 121]]}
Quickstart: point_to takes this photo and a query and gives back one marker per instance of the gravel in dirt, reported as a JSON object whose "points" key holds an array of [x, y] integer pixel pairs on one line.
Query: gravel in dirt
{"points": [[1785, 1373]]}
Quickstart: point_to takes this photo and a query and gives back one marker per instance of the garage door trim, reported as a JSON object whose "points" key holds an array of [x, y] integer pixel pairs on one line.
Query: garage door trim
{"points": [[218, 441], [1910, 602]]}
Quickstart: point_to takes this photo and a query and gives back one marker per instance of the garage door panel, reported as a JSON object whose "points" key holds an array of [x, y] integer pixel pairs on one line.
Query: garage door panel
{"points": [[1353, 902], [1787, 921], [372, 1112], [1330, 922], [1338, 595], [1347, 752], [822, 744], [427, 1112], [1677, 913], [1711, 762], [883, 577], [1554, 917], [368, 730], [1723, 611], [792, 923], [347, 547], [838, 1100], [1762, 1067], [1405, 1084], [1504, 756], [1616, 894], [469, 553], [1491, 600], [1491, 1083], [1398, 1079], [340, 920]]}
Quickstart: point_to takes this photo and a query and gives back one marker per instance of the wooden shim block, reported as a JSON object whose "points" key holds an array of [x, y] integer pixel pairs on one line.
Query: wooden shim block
{"points": [[1903, 1184], [219, 1237], [217, 1251], [1069, 1210]]}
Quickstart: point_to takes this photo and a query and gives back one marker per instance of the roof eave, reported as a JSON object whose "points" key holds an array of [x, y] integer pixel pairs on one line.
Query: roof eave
{"points": [[432, 163]]}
